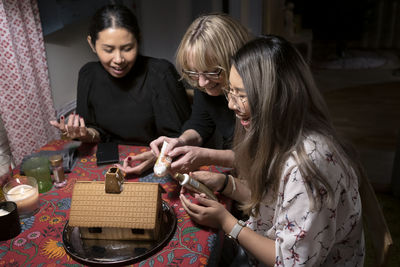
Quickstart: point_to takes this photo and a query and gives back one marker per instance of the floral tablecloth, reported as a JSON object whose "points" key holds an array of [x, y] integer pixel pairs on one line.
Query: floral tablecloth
{"points": [[40, 241]]}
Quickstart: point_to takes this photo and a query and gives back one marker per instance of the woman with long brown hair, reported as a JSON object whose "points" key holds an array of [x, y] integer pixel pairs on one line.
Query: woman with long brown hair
{"points": [[297, 180]]}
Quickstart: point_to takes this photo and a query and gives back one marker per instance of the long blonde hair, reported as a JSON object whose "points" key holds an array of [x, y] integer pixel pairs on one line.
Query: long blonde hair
{"points": [[210, 41], [286, 107]]}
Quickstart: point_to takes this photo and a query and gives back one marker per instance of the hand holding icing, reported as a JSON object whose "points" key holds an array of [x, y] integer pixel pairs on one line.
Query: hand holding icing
{"points": [[194, 185], [163, 163]]}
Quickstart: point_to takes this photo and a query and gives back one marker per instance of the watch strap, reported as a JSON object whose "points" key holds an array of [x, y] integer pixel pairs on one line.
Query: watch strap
{"points": [[236, 229]]}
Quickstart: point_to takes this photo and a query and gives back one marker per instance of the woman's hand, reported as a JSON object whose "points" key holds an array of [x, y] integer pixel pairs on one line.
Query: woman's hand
{"points": [[209, 212], [130, 165], [60, 125], [188, 158], [172, 143], [74, 128], [213, 180]]}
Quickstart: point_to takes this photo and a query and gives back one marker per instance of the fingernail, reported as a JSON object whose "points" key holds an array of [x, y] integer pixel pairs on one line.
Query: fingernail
{"points": [[62, 117], [129, 158]]}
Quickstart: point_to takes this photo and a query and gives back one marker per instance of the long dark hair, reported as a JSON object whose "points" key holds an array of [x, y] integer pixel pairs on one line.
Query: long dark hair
{"points": [[113, 16], [286, 107]]}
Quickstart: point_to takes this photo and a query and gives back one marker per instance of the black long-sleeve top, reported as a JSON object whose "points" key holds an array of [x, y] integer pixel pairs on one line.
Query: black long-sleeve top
{"points": [[210, 113], [146, 103]]}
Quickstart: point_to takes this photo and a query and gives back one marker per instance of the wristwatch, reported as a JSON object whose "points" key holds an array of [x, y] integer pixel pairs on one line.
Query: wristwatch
{"points": [[236, 229]]}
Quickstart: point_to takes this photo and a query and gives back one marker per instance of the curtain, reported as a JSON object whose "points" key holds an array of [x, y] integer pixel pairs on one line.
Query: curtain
{"points": [[382, 25], [26, 104]]}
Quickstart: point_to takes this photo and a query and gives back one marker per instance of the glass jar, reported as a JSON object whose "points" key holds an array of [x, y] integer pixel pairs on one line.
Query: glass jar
{"points": [[39, 168], [56, 162]]}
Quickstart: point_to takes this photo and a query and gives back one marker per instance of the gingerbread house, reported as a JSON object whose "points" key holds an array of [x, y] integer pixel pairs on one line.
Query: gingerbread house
{"points": [[134, 213]]}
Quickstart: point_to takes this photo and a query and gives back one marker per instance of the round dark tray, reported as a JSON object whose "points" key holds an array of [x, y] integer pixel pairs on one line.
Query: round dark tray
{"points": [[117, 252]]}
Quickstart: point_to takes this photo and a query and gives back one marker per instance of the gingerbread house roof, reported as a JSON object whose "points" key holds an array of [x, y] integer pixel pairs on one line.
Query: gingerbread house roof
{"points": [[135, 207]]}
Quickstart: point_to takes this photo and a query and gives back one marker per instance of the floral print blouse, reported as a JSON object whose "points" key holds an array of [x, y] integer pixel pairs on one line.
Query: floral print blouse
{"points": [[327, 237]]}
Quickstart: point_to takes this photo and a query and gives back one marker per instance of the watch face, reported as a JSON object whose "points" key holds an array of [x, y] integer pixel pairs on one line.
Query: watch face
{"points": [[230, 237], [233, 239]]}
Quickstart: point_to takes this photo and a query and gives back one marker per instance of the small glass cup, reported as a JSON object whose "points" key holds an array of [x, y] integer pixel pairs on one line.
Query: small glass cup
{"points": [[39, 168], [24, 192], [5, 172]]}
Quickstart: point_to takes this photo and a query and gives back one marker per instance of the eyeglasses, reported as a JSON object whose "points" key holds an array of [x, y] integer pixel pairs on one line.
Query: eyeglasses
{"points": [[194, 75], [238, 100]]}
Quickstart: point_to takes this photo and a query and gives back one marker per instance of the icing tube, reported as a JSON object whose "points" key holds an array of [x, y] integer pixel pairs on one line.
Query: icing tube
{"points": [[163, 163], [191, 183]]}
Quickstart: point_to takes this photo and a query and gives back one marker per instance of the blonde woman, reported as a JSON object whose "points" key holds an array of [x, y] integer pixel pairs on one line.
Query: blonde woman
{"points": [[203, 61], [297, 181]]}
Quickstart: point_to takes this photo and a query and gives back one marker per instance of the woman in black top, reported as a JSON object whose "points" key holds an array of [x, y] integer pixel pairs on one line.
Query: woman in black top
{"points": [[125, 97], [210, 114], [136, 108]]}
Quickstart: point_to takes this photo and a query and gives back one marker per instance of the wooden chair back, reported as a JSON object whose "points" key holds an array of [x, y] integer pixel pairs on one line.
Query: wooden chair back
{"points": [[375, 222]]}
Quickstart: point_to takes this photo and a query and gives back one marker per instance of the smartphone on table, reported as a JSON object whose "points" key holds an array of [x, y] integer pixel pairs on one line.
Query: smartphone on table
{"points": [[107, 153]]}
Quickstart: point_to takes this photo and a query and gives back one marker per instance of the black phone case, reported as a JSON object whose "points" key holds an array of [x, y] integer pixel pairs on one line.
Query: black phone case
{"points": [[107, 153]]}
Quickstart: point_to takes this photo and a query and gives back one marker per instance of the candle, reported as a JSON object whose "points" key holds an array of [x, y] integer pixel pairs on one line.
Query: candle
{"points": [[25, 196], [3, 212]]}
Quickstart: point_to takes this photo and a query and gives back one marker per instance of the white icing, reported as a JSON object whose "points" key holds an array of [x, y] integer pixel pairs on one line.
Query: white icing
{"points": [[163, 162], [160, 170]]}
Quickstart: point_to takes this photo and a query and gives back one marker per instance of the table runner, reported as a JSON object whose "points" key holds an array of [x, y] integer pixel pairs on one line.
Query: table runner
{"points": [[40, 241]]}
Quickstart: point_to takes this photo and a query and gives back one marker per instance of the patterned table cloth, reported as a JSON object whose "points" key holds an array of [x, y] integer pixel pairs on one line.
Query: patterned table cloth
{"points": [[40, 240]]}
